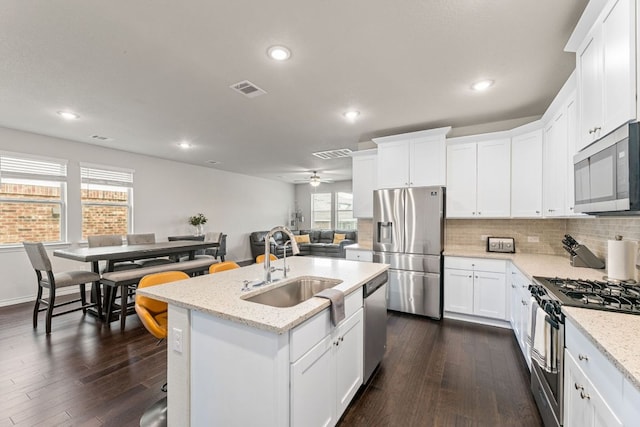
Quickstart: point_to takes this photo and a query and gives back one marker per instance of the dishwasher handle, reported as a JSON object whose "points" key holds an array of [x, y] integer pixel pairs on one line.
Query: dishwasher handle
{"points": [[374, 284]]}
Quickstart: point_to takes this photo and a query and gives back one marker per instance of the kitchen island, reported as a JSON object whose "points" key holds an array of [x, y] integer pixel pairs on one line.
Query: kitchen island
{"points": [[236, 362]]}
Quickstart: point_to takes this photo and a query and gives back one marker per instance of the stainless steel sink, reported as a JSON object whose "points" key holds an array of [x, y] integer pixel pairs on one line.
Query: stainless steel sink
{"points": [[294, 292]]}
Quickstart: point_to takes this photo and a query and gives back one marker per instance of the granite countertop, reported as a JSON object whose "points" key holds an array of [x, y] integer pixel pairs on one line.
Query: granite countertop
{"points": [[613, 333], [220, 294]]}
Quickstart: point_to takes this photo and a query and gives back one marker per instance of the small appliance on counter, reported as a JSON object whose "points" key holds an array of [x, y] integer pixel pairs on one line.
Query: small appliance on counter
{"points": [[581, 256], [501, 244]]}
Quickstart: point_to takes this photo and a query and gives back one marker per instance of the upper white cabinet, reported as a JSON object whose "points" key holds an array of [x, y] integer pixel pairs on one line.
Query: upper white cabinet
{"points": [[412, 159], [364, 180], [559, 147], [526, 175], [606, 67], [478, 178]]}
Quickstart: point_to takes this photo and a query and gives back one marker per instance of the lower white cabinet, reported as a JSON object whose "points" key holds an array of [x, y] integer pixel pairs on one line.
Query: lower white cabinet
{"points": [[327, 377], [519, 310], [584, 405], [358, 255], [475, 287]]}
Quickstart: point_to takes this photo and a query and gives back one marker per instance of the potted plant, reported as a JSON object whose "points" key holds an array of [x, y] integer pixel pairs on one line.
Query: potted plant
{"points": [[198, 221]]}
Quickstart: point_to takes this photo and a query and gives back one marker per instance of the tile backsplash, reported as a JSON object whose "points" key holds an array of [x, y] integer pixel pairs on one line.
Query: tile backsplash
{"points": [[595, 232], [531, 235], [471, 233]]}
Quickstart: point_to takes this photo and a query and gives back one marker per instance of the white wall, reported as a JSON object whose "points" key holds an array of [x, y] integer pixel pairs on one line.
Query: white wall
{"points": [[303, 197], [166, 193]]}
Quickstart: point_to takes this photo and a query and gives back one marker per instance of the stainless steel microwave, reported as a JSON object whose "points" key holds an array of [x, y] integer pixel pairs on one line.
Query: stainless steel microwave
{"points": [[607, 174]]}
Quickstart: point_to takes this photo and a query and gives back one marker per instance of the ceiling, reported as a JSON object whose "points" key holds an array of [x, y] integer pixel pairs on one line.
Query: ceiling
{"points": [[151, 73]]}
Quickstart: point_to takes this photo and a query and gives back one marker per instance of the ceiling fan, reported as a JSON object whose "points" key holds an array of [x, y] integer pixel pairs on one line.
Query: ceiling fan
{"points": [[315, 180]]}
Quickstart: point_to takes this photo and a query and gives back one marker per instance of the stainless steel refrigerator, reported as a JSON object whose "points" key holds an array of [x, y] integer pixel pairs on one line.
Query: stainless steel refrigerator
{"points": [[409, 235]]}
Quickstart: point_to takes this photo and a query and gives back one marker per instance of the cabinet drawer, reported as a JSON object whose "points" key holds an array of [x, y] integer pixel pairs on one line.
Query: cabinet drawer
{"points": [[358, 255], [476, 264], [304, 336], [602, 373]]}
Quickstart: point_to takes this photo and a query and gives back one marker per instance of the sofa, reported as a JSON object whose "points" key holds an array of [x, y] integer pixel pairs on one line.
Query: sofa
{"points": [[320, 243]]}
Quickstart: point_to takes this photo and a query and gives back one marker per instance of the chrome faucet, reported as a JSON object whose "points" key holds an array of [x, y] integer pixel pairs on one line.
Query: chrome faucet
{"points": [[284, 259], [267, 250]]}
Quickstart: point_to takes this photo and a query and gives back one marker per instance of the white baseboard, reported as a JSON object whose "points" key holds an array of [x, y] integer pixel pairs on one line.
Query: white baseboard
{"points": [[32, 298]]}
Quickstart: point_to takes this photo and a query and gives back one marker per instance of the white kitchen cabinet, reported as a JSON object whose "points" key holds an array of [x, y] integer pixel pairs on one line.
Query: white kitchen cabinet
{"points": [[519, 310], [526, 175], [358, 255], [327, 377], [606, 65], [475, 287], [555, 166], [412, 159], [364, 178], [479, 179], [584, 405]]}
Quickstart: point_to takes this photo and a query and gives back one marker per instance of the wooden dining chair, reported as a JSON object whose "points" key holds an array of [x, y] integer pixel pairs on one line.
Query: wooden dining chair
{"points": [[53, 281], [146, 239], [260, 258], [103, 240]]}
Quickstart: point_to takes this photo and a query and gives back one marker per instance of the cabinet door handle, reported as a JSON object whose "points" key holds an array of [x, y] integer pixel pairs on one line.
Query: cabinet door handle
{"points": [[578, 386], [537, 212], [479, 213], [470, 277], [473, 213], [584, 395], [513, 286], [582, 357]]}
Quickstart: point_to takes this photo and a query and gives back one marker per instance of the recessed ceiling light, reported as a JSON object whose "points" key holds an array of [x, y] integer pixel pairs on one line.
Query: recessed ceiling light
{"points": [[184, 144], [351, 114], [279, 53], [482, 85], [68, 115]]}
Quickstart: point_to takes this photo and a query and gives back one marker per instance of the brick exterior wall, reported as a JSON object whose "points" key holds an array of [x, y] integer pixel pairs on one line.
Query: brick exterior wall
{"points": [[21, 221]]}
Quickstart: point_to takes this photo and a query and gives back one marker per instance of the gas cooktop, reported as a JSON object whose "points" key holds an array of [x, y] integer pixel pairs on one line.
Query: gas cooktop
{"points": [[623, 297]]}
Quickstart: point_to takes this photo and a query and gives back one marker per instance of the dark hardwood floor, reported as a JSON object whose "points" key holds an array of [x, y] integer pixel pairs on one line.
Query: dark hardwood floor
{"points": [[444, 373]]}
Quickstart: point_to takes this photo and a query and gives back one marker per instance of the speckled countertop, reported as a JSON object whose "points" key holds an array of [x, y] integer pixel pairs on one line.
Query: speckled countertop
{"points": [[615, 334], [220, 294]]}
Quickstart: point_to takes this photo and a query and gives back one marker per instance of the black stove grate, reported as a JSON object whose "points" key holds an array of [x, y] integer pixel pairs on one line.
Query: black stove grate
{"points": [[601, 295]]}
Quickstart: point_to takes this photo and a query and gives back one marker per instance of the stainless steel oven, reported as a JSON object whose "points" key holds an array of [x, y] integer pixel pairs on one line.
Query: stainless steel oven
{"points": [[551, 294], [547, 383]]}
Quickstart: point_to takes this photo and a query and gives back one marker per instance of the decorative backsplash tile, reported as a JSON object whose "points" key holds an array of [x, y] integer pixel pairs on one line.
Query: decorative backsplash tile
{"points": [[365, 231], [472, 233], [595, 232]]}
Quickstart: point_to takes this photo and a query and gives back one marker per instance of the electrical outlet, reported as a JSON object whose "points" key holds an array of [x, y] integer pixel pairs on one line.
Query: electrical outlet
{"points": [[177, 340], [533, 239]]}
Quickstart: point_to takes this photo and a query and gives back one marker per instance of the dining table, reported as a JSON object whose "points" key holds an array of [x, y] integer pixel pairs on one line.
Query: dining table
{"points": [[114, 254]]}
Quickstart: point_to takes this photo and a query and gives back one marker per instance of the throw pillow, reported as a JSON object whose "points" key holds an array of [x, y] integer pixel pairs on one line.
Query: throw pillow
{"points": [[303, 238], [337, 238]]}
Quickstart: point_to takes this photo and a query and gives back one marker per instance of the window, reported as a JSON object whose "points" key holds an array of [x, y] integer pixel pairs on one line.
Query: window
{"points": [[321, 211], [344, 212], [323, 208], [32, 199], [107, 200]]}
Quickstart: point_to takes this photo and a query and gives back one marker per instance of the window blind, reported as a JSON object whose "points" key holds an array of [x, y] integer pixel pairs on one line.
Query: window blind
{"points": [[27, 167], [105, 175]]}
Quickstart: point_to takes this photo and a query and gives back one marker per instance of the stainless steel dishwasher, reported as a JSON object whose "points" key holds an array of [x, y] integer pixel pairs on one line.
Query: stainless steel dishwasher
{"points": [[375, 323]]}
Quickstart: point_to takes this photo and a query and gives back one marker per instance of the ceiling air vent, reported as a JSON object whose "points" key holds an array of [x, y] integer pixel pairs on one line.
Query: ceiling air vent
{"points": [[248, 89], [101, 138], [333, 154]]}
